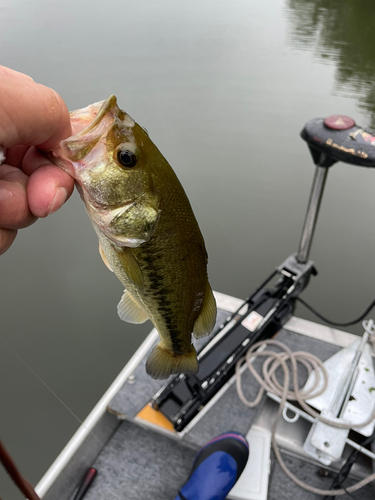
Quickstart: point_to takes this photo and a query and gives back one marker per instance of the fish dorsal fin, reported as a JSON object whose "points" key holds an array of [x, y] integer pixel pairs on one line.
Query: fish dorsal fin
{"points": [[131, 267], [205, 322], [104, 258], [129, 310]]}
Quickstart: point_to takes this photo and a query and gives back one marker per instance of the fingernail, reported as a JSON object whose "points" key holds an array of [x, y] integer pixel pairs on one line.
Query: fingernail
{"points": [[59, 199]]}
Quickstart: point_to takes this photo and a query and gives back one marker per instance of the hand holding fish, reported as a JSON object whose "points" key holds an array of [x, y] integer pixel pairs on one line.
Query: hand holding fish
{"points": [[147, 231], [31, 115]]}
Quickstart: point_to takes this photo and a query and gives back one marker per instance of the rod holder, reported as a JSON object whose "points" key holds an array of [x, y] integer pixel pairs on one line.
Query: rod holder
{"points": [[312, 213]]}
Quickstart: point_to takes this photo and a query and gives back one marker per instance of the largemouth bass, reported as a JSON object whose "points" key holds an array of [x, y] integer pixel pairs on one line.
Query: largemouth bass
{"points": [[148, 235]]}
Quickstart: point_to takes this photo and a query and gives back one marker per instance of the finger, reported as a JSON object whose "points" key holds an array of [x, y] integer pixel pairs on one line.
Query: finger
{"points": [[15, 155], [32, 160], [14, 208], [31, 114], [7, 237], [48, 189]]}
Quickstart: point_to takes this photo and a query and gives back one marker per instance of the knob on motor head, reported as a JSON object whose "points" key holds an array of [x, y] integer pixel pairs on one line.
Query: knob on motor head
{"points": [[338, 138]]}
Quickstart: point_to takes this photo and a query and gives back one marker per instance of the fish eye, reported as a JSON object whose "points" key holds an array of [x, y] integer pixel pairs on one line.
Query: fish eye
{"points": [[126, 158]]}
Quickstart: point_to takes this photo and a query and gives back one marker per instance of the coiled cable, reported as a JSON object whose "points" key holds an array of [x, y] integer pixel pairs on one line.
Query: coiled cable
{"points": [[269, 382]]}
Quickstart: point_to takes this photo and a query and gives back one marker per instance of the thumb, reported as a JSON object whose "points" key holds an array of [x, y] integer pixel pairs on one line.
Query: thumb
{"points": [[30, 113]]}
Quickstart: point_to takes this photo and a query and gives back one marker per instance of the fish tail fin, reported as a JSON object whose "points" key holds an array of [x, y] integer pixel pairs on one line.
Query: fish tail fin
{"points": [[162, 363]]}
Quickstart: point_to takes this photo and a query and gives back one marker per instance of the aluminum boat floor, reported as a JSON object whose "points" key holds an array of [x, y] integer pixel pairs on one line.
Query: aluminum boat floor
{"points": [[141, 463]]}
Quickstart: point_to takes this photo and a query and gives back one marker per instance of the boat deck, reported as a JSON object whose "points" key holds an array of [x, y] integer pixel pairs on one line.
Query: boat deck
{"points": [[142, 461], [139, 463]]}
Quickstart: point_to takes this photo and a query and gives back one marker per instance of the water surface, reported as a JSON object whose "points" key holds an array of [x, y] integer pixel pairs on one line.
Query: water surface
{"points": [[224, 92]]}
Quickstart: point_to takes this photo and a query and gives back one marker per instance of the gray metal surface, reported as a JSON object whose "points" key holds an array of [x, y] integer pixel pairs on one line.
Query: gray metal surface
{"points": [[282, 488], [312, 213], [70, 476], [142, 463], [139, 462]]}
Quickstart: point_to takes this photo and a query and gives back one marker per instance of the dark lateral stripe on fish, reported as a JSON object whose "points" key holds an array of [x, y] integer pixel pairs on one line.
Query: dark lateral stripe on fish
{"points": [[172, 327], [160, 292]]}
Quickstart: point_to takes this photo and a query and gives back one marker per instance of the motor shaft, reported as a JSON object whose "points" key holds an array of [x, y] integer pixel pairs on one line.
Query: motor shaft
{"points": [[312, 213]]}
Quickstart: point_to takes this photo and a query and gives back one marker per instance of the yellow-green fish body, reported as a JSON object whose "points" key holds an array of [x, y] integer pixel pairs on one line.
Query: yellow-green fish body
{"points": [[147, 231]]}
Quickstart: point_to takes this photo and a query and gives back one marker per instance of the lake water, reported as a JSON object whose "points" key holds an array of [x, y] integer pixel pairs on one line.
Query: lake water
{"points": [[224, 89]]}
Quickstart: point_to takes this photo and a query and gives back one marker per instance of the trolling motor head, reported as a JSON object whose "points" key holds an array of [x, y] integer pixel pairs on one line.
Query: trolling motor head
{"points": [[338, 138], [332, 139]]}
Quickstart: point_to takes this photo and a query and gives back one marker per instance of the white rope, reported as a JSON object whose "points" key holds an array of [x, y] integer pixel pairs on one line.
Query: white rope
{"points": [[270, 383]]}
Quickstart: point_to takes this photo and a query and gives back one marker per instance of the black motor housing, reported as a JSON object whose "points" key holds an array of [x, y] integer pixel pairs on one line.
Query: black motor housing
{"points": [[338, 138]]}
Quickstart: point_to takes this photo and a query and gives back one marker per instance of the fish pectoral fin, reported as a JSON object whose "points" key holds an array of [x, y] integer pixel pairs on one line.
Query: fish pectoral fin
{"points": [[129, 310], [162, 363], [104, 258], [205, 322], [131, 267]]}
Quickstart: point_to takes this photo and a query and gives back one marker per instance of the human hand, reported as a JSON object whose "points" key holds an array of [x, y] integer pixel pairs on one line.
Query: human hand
{"points": [[31, 116]]}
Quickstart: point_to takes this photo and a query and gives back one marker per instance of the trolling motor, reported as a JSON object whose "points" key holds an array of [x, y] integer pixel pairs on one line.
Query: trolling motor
{"points": [[333, 139]]}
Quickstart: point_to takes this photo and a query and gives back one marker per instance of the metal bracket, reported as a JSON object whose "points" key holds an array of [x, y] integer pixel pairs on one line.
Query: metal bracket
{"points": [[349, 397], [292, 268], [311, 451]]}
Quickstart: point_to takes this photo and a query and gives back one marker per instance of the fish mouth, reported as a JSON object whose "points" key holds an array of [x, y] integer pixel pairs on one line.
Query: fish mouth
{"points": [[86, 119], [94, 123], [90, 117], [88, 125]]}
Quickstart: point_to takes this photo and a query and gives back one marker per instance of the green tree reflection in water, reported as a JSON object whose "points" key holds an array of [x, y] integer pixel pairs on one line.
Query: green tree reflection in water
{"points": [[342, 31]]}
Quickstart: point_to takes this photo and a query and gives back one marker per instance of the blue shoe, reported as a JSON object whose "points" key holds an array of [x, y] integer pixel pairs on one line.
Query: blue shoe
{"points": [[216, 468]]}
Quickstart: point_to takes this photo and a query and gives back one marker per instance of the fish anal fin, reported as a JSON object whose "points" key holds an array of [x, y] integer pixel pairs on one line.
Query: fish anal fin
{"points": [[162, 363], [104, 258], [205, 322], [131, 267], [129, 310]]}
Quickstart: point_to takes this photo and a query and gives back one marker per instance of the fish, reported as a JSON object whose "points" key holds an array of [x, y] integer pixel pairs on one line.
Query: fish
{"points": [[148, 234]]}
